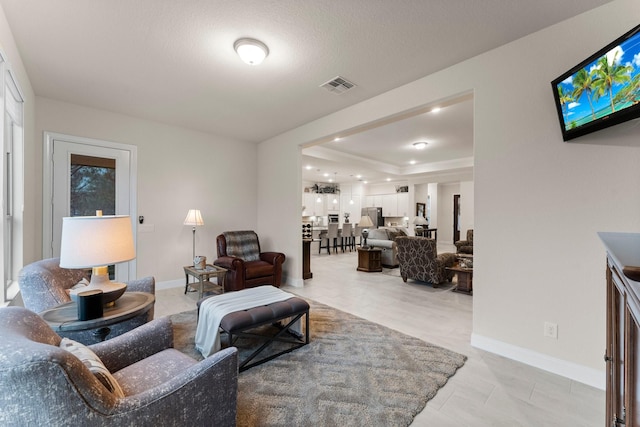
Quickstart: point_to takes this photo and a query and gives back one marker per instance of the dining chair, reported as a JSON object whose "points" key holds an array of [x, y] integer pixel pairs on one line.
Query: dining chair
{"points": [[331, 236], [347, 238]]}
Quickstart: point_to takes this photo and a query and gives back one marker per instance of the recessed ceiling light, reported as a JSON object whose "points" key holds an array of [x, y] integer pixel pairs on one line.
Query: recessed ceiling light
{"points": [[412, 162], [388, 179], [308, 167], [251, 51], [325, 175], [435, 110], [358, 176], [419, 145], [336, 139], [365, 182]]}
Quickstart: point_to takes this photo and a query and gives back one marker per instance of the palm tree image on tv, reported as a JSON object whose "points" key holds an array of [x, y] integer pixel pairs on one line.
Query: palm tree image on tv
{"points": [[608, 84]]}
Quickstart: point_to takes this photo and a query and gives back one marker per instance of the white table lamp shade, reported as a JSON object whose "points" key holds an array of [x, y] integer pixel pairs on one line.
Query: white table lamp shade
{"points": [[92, 241], [194, 217], [365, 221], [420, 220]]}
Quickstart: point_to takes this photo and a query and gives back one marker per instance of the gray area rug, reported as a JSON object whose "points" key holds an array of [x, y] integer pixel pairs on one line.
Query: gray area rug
{"points": [[352, 373]]}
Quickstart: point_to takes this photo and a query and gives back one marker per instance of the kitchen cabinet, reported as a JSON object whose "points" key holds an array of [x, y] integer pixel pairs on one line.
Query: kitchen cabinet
{"points": [[352, 208], [332, 203], [622, 353], [320, 204], [389, 205], [403, 204], [309, 203]]}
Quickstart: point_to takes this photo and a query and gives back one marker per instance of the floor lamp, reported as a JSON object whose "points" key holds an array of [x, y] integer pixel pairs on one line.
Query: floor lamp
{"points": [[194, 218]]}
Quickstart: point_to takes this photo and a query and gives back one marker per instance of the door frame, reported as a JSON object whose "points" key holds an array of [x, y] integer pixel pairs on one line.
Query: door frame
{"points": [[47, 187]]}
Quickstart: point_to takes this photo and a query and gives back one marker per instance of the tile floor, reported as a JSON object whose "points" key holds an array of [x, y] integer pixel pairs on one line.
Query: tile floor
{"points": [[488, 390]]}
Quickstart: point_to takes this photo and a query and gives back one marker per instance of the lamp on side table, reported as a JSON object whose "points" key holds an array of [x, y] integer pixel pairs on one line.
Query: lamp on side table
{"points": [[365, 222]]}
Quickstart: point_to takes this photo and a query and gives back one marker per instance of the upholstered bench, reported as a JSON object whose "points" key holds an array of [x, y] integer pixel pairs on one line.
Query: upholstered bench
{"points": [[241, 323]]}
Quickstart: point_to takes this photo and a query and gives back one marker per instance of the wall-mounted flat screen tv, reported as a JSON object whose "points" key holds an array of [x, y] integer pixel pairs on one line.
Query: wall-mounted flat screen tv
{"points": [[601, 91]]}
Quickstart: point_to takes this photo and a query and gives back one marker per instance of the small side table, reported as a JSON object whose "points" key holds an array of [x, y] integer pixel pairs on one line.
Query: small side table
{"points": [[465, 279], [202, 276], [65, 316], [369, 260]]}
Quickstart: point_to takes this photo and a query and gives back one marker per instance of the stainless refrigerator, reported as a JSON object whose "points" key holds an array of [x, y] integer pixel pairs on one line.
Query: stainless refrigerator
{"points": [[376, 216]]}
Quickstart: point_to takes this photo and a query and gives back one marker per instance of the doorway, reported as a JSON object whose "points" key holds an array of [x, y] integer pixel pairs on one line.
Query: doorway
{"points": [[456, 217], [82, 177]]}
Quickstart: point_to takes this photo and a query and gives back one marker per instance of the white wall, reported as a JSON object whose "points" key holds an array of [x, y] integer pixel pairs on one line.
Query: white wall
{"points": [[519, 156], [178, 169], [32, 235]]}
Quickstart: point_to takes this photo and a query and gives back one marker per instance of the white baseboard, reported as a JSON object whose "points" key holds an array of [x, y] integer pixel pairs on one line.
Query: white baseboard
{"points": [[580, 373]]}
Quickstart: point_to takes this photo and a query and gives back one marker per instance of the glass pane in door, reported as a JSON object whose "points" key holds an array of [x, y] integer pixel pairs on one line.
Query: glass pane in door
{"points": [[93, 185], [93, 188]]}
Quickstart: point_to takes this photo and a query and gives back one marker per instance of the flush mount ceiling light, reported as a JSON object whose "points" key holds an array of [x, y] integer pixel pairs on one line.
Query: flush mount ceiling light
{"points": [[419, 145], [251, 51]]}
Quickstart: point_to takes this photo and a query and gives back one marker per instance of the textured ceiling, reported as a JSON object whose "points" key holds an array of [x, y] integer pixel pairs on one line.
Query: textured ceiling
{"points": [[173, 61]]}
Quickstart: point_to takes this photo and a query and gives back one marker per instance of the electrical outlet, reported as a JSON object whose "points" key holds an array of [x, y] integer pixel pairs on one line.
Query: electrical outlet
{"points": [[551, 330]]}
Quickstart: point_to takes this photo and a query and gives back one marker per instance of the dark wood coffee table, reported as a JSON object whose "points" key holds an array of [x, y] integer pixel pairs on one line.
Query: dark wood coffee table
{"points": [[465, 279], [65, 316]]}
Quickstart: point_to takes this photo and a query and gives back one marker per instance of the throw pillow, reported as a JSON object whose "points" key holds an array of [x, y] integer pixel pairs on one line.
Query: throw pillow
{"points": [[94, 364]]}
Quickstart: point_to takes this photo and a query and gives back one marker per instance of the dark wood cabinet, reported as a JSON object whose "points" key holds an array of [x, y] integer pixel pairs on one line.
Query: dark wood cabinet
{"points": [[306, 259], [622, 354], [369, 260]]}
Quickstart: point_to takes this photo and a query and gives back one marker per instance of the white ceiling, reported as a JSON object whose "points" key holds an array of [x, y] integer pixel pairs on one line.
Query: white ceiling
{"points": [[173, 61]]}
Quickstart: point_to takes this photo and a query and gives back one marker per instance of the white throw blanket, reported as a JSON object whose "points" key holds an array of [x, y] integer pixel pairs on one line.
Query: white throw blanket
{"points": [[213, 309]]}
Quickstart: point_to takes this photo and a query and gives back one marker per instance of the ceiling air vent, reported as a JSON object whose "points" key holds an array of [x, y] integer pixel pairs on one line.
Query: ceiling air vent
{"points": [[338, 85]]}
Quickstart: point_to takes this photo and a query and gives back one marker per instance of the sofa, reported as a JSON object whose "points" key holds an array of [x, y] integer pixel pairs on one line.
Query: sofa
{"points": [[135, 379], [420, 261], [384, 239]]}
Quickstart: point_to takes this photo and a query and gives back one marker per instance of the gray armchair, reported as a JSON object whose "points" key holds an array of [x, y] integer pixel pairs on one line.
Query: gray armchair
{"points": [[419, 260], [42, 384], [44, 285]]}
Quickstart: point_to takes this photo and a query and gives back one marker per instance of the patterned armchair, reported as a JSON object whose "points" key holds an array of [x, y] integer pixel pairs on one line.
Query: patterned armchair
{"points": [[44, 285], [135, 379], [465, 246], [419, 260], [247, 267]]}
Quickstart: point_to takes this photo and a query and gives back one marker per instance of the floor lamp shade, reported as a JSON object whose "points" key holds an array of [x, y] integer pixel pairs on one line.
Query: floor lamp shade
{"points": [[194, 217], [97, 242]]}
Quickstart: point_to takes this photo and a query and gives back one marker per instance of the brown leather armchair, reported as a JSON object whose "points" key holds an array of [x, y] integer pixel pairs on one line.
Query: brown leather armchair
{"points": [[247, 267]]}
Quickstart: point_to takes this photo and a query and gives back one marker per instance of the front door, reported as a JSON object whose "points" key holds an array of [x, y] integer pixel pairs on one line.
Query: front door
{"points": [[87, 176]]}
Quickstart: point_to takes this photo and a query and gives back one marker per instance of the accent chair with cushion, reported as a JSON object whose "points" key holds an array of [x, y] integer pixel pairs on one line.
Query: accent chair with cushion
{"points": [[465, 246], [44, 285], [247, 267], [135, 379], [419, 260]]}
